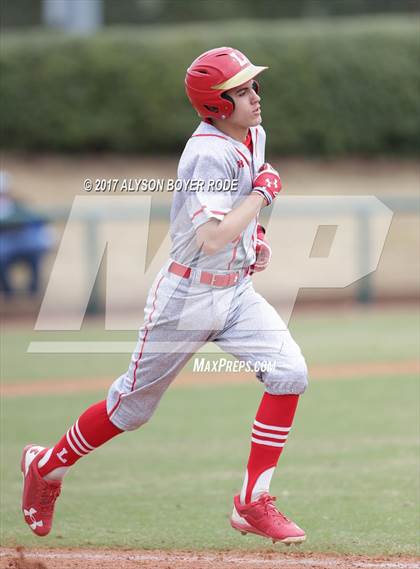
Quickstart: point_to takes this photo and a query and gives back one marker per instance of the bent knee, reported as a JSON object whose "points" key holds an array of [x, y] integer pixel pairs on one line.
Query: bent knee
{"points": [[288, 380], [130, 420], [131, 412]]}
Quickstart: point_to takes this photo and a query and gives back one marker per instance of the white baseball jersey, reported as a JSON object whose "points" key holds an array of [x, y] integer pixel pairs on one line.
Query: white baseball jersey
{"points": [[210, 156]]}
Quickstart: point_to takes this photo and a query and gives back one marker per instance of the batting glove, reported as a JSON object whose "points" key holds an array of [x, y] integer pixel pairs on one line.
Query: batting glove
{"points": [[267, 183], [262, 252]]}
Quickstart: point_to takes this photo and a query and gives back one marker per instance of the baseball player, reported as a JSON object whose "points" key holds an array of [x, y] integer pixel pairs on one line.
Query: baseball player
{"points": [[203, 293]]}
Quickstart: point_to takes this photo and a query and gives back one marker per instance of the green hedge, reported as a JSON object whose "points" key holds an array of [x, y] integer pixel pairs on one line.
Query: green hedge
{"points": [[333, 87]]}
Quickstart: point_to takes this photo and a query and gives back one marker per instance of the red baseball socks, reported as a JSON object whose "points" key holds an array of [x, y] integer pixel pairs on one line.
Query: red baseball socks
{"points": [[269, 435], [91, 430]]}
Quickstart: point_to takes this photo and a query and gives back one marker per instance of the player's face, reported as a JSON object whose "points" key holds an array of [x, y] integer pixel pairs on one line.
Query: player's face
{"points": [[247, 105]]}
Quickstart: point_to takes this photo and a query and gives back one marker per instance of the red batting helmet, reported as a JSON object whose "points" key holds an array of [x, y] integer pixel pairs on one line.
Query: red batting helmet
{"points": [[213, 73]]}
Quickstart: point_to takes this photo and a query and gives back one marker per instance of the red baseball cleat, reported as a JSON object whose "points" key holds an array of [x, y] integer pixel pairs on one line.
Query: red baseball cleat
{"points": [[39, 496], [262, 518]]}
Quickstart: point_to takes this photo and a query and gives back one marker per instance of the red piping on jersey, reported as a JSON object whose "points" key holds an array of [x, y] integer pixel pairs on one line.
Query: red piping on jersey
{"points": [[243, 155], [145, 335], [216, 135], [246, 160], [115, 406], [235, 249], [211, 211], [256, 142], [198, 211]]}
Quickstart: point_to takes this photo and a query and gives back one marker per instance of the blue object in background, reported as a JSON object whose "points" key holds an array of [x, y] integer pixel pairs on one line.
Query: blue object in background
{"points": [[24, 238]]}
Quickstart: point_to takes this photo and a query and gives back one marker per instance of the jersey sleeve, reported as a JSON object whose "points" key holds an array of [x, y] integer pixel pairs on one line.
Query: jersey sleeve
{"points": [[207, 201]]}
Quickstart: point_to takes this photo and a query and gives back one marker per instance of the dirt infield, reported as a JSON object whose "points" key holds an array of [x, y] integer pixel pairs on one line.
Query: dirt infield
{"points": [[111, 559], [318, 372]]}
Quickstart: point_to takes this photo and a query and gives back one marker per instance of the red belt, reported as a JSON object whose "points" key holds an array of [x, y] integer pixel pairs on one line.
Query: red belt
{"points": [[212, 279]]}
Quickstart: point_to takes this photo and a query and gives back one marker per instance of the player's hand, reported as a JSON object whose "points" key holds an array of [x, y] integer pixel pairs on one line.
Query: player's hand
{"points": [[267, 183], [262, 251]]}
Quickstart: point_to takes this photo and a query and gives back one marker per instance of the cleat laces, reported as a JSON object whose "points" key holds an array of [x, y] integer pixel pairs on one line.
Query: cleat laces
{"points": [[270, 508], [48, 497]]}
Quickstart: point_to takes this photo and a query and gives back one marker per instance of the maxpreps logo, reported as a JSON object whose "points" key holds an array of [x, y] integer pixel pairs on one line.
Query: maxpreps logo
{"points": [[202, 365]]}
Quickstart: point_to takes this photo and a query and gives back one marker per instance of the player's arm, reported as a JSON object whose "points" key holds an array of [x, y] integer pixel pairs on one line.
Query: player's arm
{"points": [[214, 235]]}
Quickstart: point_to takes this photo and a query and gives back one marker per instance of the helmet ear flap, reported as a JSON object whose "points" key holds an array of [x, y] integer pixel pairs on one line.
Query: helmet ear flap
{"points": [[212, 109], [228, 98], [255, 87]]}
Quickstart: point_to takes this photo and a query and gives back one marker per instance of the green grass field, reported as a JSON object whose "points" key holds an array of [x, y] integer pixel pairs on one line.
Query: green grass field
{"points": [[349, 474], [349, 336]]}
